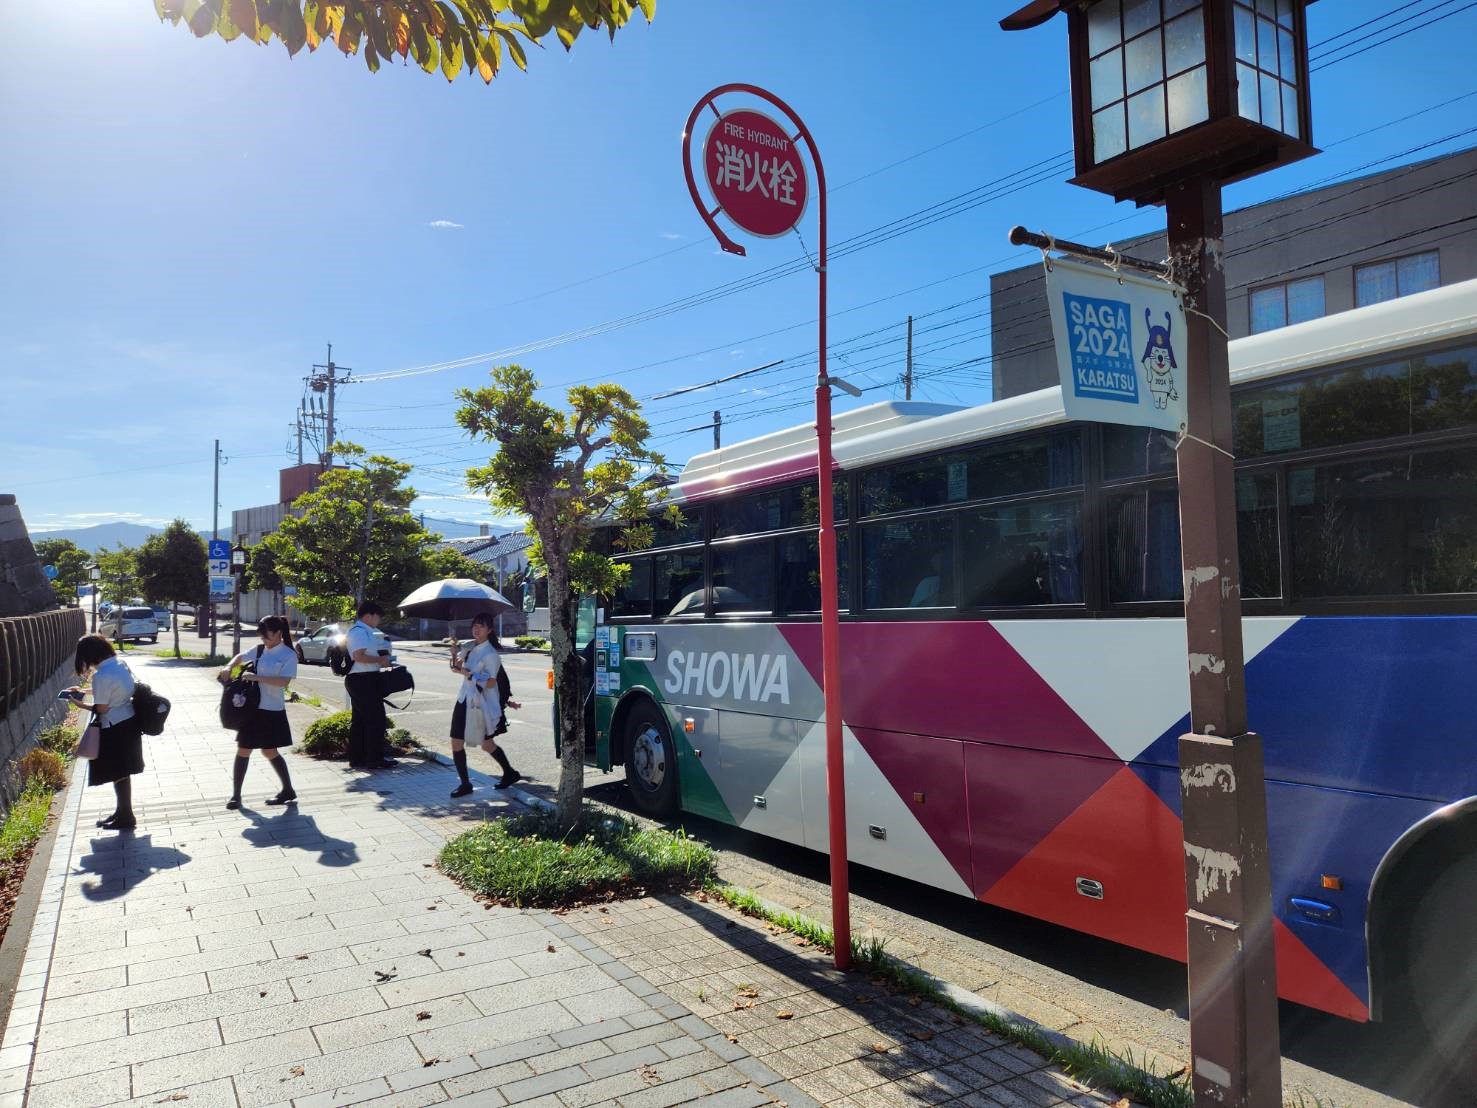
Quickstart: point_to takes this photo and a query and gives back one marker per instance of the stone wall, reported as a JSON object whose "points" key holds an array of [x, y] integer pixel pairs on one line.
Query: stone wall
{"points": [[23, 587], [37, 642]]}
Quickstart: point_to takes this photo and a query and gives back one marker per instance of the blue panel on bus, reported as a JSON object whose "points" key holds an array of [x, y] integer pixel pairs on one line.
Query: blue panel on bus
{"points": [[1376, 704], [1312, 832]]}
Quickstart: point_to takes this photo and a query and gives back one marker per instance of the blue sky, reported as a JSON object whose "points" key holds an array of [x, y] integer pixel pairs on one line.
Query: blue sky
{"points": [[184, 224]]}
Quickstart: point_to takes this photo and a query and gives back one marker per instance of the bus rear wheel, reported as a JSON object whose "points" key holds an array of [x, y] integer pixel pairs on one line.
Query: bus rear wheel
{"points": [[1442, 968], [651, 761]]}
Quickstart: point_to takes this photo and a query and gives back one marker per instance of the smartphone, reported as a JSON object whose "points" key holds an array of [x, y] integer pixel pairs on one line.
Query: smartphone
{"points": [[68, 697]]}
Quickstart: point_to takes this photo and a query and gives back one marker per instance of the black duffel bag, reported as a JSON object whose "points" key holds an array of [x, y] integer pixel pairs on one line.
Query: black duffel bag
{"points": [[150, 709], [240, 697], [392, 680]]}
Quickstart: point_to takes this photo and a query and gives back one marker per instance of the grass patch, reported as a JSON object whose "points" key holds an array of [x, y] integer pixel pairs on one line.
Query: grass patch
{"points": [[24, 822], [523, 861], [328, 738], [1095, 1063], [60, 739], [196, 658], [310, 699], [531, 642]]}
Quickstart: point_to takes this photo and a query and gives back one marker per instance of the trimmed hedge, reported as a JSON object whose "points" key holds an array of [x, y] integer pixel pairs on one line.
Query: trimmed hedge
{"points": [[328, 738]]}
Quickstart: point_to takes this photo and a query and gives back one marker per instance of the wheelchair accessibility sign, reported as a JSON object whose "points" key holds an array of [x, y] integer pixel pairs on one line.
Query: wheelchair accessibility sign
{"points": [[1119, 346]]}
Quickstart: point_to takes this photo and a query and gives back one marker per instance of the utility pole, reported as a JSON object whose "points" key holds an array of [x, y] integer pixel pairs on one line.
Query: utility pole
{"points": [[716, 426], [327, 381], [300, 436], [215, 532], [908, 373]]}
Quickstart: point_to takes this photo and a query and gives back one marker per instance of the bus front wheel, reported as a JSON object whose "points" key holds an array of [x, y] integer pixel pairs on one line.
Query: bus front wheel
{"points": [[651, 761], [1442, 965]]}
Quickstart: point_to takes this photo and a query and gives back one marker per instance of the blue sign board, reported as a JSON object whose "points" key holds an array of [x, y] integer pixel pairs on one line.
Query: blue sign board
{"points": [[1119, 345], [220, 548], [50, 571], [289, 590], [221, 587]]}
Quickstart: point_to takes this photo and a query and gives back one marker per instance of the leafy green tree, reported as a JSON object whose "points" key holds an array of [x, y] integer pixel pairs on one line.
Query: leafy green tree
{"points": [[118, 579], [565, 471], [356, 525], [465, 35], [173, 569], [71, 563], [261, 573]]}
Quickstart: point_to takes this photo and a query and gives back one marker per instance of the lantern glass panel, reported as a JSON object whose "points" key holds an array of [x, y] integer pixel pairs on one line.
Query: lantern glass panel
{"points": [[1189, 99], [1267, 64], [1184, 43], [1146, 69], [1106, 76], [1139, 16], [1103, 27], [1146, 117], [1245, 35], [1109, 134], [1144, 62]]}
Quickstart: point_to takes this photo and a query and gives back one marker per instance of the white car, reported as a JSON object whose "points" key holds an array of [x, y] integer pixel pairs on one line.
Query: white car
{"points": [[320, 647], [129, 622]]}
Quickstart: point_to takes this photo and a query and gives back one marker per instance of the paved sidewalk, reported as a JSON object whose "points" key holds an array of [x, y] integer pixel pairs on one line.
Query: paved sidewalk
{"points": [[314, 956]]}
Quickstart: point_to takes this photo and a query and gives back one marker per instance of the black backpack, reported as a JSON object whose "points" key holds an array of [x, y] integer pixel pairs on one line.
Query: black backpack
{"points": [[150, 709], [240, 698]]}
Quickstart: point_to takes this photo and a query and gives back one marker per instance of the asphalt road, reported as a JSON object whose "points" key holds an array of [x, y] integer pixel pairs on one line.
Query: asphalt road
{"points": [[1129, 995]]}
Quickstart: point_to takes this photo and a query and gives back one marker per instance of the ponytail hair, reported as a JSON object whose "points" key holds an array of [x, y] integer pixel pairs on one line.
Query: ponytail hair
{"points": [[278, 624]]}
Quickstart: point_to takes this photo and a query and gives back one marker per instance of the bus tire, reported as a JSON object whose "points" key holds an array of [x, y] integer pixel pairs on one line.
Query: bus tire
{"points": [[651, 760], [1441, 966]]}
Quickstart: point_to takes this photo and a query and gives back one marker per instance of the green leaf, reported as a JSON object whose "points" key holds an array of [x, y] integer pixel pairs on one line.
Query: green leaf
{"points": [[243, 14], [515, 48], [167, 9], [537, 15], [489, 57], [451, 55], [293, 28], [200, 17], [648, 9]]}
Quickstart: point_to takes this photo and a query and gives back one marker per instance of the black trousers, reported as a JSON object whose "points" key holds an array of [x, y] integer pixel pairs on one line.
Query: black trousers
{"points": [[368, 724]]}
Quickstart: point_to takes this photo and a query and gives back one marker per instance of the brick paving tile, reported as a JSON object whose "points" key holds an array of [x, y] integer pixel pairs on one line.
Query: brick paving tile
{"points": [[313, 955]]}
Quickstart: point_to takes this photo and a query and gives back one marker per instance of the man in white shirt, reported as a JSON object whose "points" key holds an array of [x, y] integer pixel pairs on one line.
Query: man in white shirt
{"points": [[367, 725]]}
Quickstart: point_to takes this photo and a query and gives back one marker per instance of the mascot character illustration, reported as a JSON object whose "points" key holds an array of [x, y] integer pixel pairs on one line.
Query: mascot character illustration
{"points": [[1158, 362]]}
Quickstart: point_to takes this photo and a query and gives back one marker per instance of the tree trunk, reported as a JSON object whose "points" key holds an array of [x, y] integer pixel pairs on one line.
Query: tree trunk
{"points": [[174, 623], [563, 616]]}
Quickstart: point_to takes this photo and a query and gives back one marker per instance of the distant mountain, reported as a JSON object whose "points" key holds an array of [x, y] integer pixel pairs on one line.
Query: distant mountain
{"points": [[108, 536], [100, 536]]}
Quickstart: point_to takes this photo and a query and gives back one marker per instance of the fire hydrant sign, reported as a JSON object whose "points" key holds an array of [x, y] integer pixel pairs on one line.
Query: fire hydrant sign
{"points": [[755, 173], [1119, 346]]}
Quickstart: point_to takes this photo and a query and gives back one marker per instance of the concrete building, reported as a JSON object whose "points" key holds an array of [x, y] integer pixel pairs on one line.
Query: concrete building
{"points": [[1353, 243], [251, 525]]}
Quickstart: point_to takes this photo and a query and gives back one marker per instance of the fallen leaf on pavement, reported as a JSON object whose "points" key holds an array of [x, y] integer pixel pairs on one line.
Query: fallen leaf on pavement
{"points": [[914, 1001], [650, 1076], [923, 1036], [785, 1014], [423, 1015], [261, 994], [430, 907], [748, 990], [297, 1071], [381, 976], [550, 948], [429, 1062], [424, 953], [740, 1005], [879, 1048], [731, 1038], [302, 957]]}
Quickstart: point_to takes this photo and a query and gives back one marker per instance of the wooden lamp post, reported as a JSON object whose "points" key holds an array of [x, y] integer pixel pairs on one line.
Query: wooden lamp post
{"points": [[1172, 99]]}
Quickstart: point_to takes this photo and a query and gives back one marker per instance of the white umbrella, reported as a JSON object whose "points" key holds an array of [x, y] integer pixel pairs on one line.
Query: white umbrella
{"points": [[453, 598]]}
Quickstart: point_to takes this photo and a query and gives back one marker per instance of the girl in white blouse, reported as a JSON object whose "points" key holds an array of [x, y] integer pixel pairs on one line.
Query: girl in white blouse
{"points": [[121, 749], [275, 665], [482, 669]]}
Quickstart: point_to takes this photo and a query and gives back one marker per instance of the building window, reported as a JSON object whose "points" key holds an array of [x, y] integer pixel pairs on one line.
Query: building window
{"points": [[1276, 306], [1374, 284]]}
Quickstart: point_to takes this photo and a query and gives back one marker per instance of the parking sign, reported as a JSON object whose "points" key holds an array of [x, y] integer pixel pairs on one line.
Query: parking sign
{"points": [[220, 557]]}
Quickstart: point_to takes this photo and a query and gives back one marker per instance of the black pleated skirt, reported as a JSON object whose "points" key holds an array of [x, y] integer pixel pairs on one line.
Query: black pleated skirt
{"points": [[265, 730], [120, 753]]}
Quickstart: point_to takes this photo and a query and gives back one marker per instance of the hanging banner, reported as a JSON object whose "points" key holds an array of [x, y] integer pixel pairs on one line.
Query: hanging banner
{"points": [[1119, 345]]}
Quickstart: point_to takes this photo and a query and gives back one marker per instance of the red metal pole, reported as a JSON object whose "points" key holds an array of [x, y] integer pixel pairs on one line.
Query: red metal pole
{"points": [[831, 625], [830, 608]]}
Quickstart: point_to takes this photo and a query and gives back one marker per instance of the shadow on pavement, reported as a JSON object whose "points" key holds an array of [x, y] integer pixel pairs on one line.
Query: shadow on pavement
{"points": [[122, 862], [291, 830]]}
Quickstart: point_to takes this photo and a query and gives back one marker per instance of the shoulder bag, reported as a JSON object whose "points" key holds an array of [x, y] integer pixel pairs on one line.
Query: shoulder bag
{"points": [[475, 729], [150, 709], [396, 679], [240, 698], [90, 742]]}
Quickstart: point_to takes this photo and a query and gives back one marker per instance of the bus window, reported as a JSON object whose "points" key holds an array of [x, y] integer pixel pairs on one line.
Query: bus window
{"points": [[1022, 554], [909, 563], [1143, 532], [743, 578], [679, 584], [1136, 452], [584, 622], [1401, 524], [1257, 535], [633, 599], [800, 573]]}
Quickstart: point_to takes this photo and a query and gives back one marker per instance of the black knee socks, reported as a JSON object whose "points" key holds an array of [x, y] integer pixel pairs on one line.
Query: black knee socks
{"points": [[123, 789], [279, 763], [502, 759], [460, 758], [238, 775]]}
